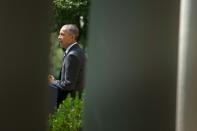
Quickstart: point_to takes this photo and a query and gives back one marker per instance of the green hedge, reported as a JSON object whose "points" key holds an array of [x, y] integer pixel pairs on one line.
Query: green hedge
{"points": [[68, 117]]}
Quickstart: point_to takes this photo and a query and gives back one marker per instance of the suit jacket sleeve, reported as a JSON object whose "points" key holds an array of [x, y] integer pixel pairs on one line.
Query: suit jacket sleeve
{"points": [[72, 68]]}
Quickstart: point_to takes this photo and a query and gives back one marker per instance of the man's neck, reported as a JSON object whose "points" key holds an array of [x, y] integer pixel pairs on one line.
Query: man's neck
{"points": [[68, 48]]}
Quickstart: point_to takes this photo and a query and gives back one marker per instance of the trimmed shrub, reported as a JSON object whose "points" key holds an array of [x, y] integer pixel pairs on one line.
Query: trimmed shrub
{"points": [[68, 117]]}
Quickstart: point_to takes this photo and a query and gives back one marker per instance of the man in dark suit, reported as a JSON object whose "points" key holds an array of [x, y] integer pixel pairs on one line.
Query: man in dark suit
{"points": [[73, 65]]}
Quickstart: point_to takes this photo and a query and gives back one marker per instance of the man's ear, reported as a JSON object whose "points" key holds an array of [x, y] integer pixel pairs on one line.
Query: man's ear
{"points": [[73, 37]]}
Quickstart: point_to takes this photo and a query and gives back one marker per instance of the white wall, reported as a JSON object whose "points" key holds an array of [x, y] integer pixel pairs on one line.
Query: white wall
{"points": [[187, 72]]}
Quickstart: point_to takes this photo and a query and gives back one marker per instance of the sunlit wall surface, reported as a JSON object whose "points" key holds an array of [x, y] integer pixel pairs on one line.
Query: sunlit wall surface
{"points": [[187, 68]]}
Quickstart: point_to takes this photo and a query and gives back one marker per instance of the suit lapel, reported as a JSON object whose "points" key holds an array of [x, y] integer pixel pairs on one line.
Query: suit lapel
{"points": [[65, 54], [72, 48]]}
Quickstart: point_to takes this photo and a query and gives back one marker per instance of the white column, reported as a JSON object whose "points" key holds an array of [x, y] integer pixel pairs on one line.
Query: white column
{"points": [[132, 65], [187, 71], [24, 48]]}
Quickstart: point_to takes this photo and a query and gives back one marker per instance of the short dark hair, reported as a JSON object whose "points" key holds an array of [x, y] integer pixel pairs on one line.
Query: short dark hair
{"points": [[72, 29]]}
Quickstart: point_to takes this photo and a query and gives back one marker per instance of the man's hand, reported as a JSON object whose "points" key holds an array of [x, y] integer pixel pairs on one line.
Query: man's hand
{"points": [[51, 78]]}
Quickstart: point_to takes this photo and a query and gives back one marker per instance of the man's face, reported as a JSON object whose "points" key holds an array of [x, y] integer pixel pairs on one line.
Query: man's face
{"points": [[65, 38]]}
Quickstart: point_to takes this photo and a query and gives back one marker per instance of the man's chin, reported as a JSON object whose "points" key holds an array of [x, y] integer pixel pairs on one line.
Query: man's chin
{"points": [[60, 45]]}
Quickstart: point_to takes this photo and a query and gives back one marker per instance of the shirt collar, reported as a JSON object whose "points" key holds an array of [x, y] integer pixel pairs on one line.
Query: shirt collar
{"points": [[67, 49]]}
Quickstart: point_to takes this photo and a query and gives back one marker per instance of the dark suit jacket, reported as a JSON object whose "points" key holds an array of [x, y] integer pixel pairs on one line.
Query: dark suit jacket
{"points": [[72, 73]]}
